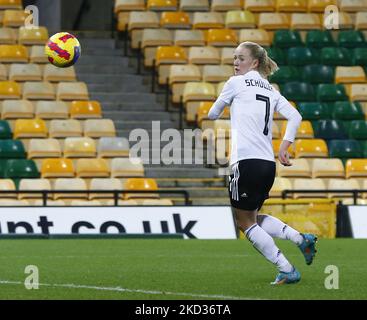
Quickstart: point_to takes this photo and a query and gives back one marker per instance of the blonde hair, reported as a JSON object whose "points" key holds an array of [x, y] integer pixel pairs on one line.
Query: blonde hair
{"points": [[267, 66]]}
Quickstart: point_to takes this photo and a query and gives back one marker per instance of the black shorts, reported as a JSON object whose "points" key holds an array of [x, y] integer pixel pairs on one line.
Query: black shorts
{"points": [[250, 183]]}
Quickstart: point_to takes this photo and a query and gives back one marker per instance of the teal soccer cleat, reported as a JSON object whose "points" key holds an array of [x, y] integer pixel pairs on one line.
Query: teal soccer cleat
{"points": [[287, 277], [307, 247]]}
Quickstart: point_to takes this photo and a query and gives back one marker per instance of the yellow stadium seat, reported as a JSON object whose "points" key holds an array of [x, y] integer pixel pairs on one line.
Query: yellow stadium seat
{"points": [[85, 110], [175, 20], [102, 184], [162, 5], [194, 5], [120, 203], [7, 36], [33, 36], [97, 128], [86, 203], [30, 128], [299, 168], [92, 168], [140, 184], [3, 73], [44, 148], [76, 147], [52, 110], [198, 91], [309, 184], [72, 91], [113, 147], [357, 92], [364, 186], [342, 184], [240, 19], [217, 73], [25, 72], [222, 128], [361, 20], [70, 184], [320, 5], [222, 37], [273, 21], [226, 5], [129, 5], [33, 185], [142, 20], [57, 168], [327, 168], [305, 130], [166, 56], [7, 185], [65, 128], [127, 167], [11, 4], [203, 110], [260, 36], [187, 38], [9, 90], [204, 55], [315, 148], [53, 203], [226, 56], [305, 21], [275, 132], [349, 74], [55, 74], [13, 109], [276, 146], [13, 53], [123, 20], [38, 91], [260, 5], [291, 5], [345, 20], [14, 18], [356, 168], [352, 5], [155, 202], [220, 87], [279, 185], [207, 20], [38, 55], [13, 203]]}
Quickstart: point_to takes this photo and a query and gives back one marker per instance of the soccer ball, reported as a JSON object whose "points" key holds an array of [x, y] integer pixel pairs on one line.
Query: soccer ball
{"points": [[63, 50]]}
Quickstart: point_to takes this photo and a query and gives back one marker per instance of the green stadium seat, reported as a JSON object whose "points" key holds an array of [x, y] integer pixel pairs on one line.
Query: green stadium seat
{"points": [[21, 169], [331, 92], [330, 129], [344, 149], [333, 56], [5, 131], [318, 73], [319, 39], [301, 56], [12, 149], [363, 145], [285, 74], [351, 39], [345, 110], [313, 110], [358, 130], [278, 55], [2, 168], [360, 56], [298, 91], [287, 39]]}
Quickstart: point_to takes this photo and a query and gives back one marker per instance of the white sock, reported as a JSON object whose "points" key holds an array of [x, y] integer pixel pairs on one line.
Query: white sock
{"points": [[278, 229], [265, 244]]}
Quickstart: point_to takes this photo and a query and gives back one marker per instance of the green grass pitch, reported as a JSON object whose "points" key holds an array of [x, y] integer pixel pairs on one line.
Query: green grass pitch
{"points": [[175, 269]]}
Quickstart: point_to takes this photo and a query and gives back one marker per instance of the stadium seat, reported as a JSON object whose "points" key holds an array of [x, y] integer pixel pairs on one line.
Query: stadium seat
{"points": [[345, 21], [276, 147], [178, 75], [7, 36], [142, 20], [327, 168], [273, 21], [90, 168], [309, 184], [21, 169], [226, 5], [5, 130], [7, 185], [165, 57], [298, 91], [32, 36], [333, 56], [13, 203], [314, 110], [319, 39], [301, 56], [33, 185], [277, 54], [72, 91], [299, 168], [356, 168], [320, 5], [65, 128], [287, 39], [279, 185], [38, 91], [9, 90], [352, 5], [305, 21], [12, 149], [217, 73], [202, 114], [194, 5], [140, 184], [291, 6], [239, 19], [113, 147], [55, 74], [11, 4], [342, 184], [155, 202], [186, 38], [3, 73], [305, 130], [357, 92], [260, 5], [76, 147], [331, 92], [85, 203], [14, 18], [153, 38], [207, 20], [102, 184], [85, 110], [98, 128], [127, 167], [37, 55], [129, 5], [311, 148], [13, 109], [358, 130], [222, 38], [30, 128], [345, 149], [52, 110], [345, 110], [57, 168], [70, 184], [330, 129], [50, 203], [162, 5], [353, 74], [175, 20], [44, 148], [260, 36], [316, 73], [198, 91], [351, 39], [25, 72], [361, 20], [13, 54]]}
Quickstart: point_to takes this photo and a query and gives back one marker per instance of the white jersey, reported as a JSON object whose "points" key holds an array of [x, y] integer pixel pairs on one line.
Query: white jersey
{"points": [[253, 102]]}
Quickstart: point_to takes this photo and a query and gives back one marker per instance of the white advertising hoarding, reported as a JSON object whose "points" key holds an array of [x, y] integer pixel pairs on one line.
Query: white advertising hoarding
{"points": [[358, 221], [192, 222]]}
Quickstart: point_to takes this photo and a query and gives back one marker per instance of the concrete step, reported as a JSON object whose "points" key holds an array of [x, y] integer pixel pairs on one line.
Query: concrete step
{"points": [[106, 60], [99, 69], [97, 43], [155, 171], [131, 106], [136, 97], [108, 78], [145, 125], [102, 52], [167, 183], [136, 115], [112, 87]]}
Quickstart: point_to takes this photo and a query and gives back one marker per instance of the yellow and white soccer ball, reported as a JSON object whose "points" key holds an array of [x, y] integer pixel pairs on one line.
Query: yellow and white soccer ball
{"points": [[63, 49]]}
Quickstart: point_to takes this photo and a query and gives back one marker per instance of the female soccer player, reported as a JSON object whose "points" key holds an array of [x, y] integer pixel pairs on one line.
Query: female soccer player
{"points": [[253, 102]]}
